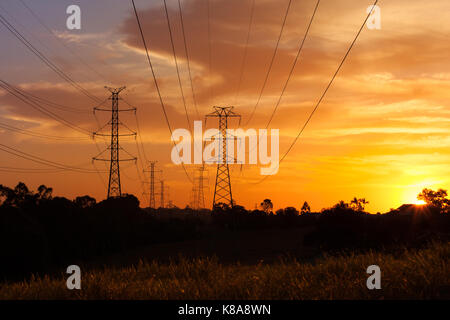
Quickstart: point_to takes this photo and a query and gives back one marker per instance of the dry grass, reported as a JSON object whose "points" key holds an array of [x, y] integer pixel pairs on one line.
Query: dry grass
{"points": [[420, 274]]}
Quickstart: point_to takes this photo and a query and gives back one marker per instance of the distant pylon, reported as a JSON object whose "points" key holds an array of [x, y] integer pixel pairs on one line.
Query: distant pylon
{"points": [[162, 193], [167, 196], [222, 188], [152, 201], [198, 188], [114, 185]]}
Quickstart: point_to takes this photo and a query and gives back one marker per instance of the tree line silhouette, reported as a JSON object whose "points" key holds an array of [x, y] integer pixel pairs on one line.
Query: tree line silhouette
{"points": [[40, 233]]}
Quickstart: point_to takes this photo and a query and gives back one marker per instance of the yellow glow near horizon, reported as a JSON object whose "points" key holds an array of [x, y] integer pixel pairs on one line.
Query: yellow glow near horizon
{"points": [[419, 202], [411, 191]]}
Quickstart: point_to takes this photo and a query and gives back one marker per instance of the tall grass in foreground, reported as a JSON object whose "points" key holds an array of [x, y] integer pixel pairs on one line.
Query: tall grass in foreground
{"points": [[418, 274]]}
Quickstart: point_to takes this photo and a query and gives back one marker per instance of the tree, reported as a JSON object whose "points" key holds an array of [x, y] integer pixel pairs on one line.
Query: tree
{"points": [[21, 190], [6, 195], [358, 204], [266, 205], [15, 197], [436, 199], [221, 207], [341, 205], [85, 201], [290, 212], [305, 208], [44, 193]]}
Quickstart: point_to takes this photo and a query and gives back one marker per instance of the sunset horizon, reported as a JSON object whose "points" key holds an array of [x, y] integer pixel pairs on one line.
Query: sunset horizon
{"points": [[381, 131], [207, 159]]}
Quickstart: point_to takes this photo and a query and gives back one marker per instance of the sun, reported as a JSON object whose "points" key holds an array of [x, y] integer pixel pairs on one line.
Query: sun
{"points": [[419, 202], [411, 191]]}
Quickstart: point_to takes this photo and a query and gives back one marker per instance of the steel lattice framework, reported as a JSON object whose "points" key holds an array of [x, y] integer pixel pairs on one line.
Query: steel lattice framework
{"points": [[198, 201], [114, 185], [152, 171], [222, 189]]}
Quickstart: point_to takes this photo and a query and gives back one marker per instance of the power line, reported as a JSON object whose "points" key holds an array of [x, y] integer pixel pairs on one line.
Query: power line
{"points": [[209, 48], [42, 23], [55, 105], [325, 91], [271, 63], [156, 82], [139, 153], [98, 173], [139, 135], [141, 180], [293, 64], [100, 152], [28, 170], [244, 58], [43, 161], [38, 135], [57, 38], [21, 96], [30, 33], [44, 59], [176, 64], [141, 160], [194, 99], [36, 102], [292, 67]]}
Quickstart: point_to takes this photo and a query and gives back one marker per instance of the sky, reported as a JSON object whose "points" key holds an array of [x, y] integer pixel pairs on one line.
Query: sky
{"points": [[381, 132]]}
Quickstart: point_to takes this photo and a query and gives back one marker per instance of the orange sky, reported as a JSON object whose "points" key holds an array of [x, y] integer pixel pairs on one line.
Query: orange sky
{"points": [[382, 131]]}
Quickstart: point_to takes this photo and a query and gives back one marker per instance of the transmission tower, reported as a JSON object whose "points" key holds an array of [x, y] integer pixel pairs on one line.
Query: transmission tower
{"points": [[114, 185], [152, 171], [162, 193], [198, 188], [167, 197], [222, 188]]}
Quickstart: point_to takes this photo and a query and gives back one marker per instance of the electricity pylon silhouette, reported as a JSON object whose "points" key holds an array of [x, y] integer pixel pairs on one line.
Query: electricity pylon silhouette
{"points": [[198, 188], [169, 201], [152, 201], [162, 193], [222, 188], [114, 185]]}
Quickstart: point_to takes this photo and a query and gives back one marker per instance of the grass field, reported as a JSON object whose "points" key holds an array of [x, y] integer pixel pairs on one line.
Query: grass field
{"points": [[410, 274]]}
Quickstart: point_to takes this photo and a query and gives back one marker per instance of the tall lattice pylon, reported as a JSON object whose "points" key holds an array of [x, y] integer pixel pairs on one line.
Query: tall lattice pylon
{"points": [[114, 185], [222, 189], [152, 171]]}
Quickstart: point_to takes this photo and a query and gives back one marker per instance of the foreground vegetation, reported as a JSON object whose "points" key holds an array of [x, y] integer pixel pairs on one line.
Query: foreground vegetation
{"points": [[409, 274], [329, 250]]}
